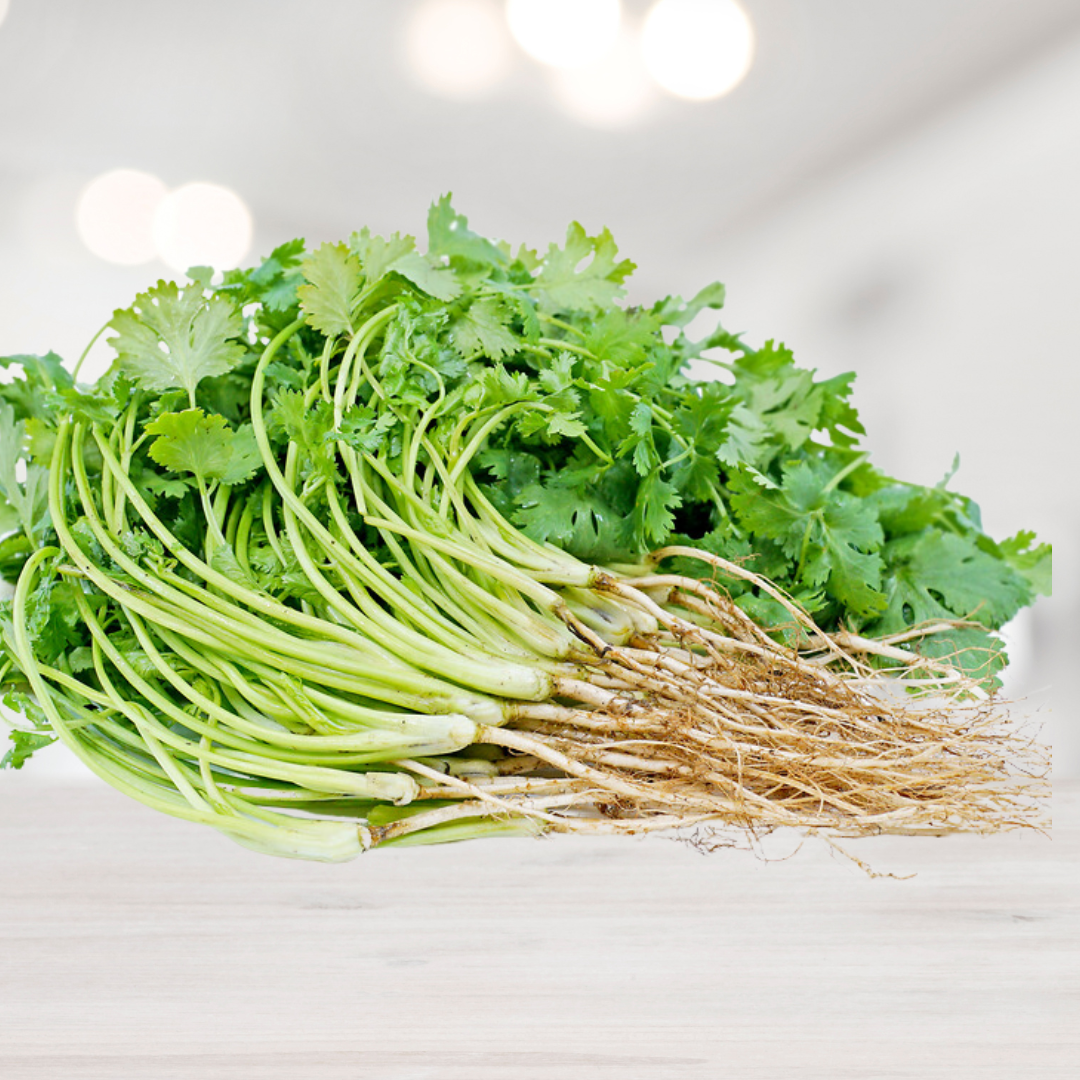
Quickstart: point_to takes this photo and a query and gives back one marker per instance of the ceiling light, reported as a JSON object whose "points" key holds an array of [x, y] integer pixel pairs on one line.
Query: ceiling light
{"points": [[565, 33], [457, 48], [202, 225], [114, 215], [698, 49], [610, 94]]}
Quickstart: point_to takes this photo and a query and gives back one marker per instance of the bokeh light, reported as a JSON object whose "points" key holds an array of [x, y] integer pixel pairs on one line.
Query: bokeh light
{"points": [[458, 48], [614, 93], [115, 213], [202, 225], [565, 33], [698, 49]]}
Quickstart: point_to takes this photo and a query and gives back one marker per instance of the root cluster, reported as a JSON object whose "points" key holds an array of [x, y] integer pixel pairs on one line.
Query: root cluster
{"points": [[710, 719]]}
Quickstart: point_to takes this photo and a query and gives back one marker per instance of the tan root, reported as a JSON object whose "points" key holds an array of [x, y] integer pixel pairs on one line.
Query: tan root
{"points": [[709, 719]]}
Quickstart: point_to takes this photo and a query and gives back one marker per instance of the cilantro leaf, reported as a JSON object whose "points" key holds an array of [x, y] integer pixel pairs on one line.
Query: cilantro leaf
{"points": [[378, 254], [275, 280], [580, 522], [363, 430], [653, 516], [564, 285], [79, 404], [23, 744], [770, 359], [973, 651], [1032, 561], [398, 255], [25, 503], [939, 575], [449, 234], [674, 311], [309, 428], [173, 338], [639, 442], [438, 281], [747, 435], [191, 441], [832, 536], [623, 338], [483, 330], [31, 394], [332, 283]]}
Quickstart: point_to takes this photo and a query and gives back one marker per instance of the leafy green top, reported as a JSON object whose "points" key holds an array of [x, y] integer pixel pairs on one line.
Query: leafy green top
{"points": [[588, 432]]}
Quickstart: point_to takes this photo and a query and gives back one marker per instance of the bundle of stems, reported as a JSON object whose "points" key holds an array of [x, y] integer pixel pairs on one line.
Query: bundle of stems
{"points": [[447, 677]]}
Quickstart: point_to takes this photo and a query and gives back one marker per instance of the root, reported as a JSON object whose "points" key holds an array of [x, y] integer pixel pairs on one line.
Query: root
{"points": [[709, 720]]}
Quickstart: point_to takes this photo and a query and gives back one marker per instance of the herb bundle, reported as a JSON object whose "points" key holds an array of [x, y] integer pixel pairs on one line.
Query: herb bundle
{"points": [[372, 546]]}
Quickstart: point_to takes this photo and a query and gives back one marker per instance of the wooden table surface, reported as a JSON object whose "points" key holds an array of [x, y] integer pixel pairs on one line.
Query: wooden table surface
{"points": [[135, 946]]}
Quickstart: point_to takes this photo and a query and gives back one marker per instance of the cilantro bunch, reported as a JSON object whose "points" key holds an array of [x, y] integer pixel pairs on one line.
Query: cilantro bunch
{"points": [[609, 450], [330, 527]]}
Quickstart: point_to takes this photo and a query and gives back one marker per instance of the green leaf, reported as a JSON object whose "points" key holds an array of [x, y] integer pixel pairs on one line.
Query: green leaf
{"points": [[770, 359], [363, 430], [1032, 561], [639, 442], [290, 416], [975, 652], [790, 404], [484, 330], [26, 503], [565, 425], [653, 519], [378, 254], [579, 521], [674, 311], [93, 408], [275, 280], [30, 392], [191, 441], [9, 518], [438, 281], [23, 745], [169, 487], [172, 338], [833, 536], [937, 575], [564, 285], [746, 441], [838, 416], [224, 561], [449, 234], [623, 338], [557, 376], [333, 279]]}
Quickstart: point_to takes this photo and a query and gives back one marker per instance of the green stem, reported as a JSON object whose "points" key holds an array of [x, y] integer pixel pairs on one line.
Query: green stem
{"points": [[846, 471]]}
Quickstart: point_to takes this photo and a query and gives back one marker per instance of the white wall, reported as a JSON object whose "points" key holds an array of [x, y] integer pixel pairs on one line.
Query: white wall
{"points": [[946, 271]]}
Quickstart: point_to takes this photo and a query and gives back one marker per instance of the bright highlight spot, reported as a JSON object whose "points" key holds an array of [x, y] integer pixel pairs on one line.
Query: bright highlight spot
{"points": [[611, 94], [3, 10], [114, 215], [457, 48], [565, 33], [202, 225], [698, 49]]}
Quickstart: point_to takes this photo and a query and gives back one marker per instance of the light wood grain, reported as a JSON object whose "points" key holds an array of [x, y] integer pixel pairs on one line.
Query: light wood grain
{"points": [[134, 946]]}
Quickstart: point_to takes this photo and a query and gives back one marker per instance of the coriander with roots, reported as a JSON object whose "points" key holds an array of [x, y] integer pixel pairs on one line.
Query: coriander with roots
{"points": [[368, 546]]}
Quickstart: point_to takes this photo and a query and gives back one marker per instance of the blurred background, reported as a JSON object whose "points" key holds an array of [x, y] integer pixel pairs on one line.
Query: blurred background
{"points": [[890, 187]]}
